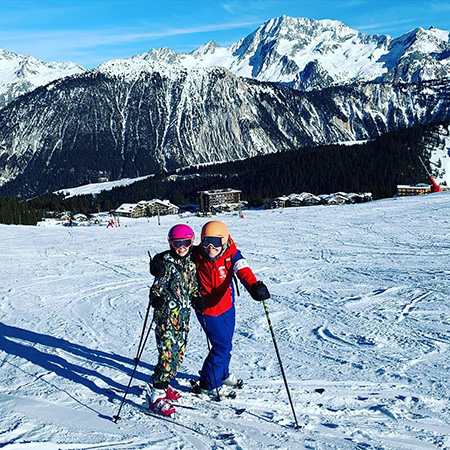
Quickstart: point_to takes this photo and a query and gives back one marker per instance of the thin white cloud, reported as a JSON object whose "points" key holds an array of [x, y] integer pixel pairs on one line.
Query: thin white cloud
{"points": [[229, 7], [47, 43], [440, 7], [382, 25], [351, 4], [71, 39]]}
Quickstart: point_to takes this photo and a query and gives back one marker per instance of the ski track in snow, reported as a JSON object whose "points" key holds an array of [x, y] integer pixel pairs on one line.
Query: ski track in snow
{"points": [[359, 308]]}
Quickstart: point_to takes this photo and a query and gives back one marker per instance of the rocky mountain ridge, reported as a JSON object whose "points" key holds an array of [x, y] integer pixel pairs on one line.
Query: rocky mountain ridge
{"points": [[156, 119], [309, 54], [20, 74]]}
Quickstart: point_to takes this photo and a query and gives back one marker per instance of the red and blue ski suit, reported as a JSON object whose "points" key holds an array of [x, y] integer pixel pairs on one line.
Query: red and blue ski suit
{"points": [[215, 278]]}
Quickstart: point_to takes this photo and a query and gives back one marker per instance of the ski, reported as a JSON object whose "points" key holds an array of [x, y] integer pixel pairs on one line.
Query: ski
{"points": [[172, 420], [196, 389], [239, 383]]}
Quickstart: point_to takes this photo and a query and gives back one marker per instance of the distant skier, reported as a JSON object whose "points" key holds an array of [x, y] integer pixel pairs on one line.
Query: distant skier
{"points": [[217, 259], [174, 291]]}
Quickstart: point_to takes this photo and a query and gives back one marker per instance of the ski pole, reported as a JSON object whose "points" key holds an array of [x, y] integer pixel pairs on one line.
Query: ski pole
{"points": [[212, 364], [140, 350], [297, 426]]}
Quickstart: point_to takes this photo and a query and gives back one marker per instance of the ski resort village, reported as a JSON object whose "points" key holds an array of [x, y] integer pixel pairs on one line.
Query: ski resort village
{"points": [[224, 225]]}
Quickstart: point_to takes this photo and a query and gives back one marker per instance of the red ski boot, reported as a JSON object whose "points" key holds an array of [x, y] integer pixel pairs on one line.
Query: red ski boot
{"points": [[158, 403], [162, 406], [172, 395]]}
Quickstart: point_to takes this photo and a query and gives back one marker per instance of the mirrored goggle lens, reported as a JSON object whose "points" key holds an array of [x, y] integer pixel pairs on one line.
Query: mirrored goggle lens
{"points": [[212, 240], [181, 243]]}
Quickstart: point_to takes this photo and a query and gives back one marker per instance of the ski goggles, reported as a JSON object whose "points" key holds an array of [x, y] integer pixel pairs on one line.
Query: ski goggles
{"points": [[181, 243], [215, 241]]}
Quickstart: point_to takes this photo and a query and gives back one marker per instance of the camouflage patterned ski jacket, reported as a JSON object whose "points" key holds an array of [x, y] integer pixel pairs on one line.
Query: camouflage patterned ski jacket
{"points": [[178, 284]]}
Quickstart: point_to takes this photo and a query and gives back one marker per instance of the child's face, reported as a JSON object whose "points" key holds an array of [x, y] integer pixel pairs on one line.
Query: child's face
{"points": [[212, 252], [181, 246], [182, 251]]}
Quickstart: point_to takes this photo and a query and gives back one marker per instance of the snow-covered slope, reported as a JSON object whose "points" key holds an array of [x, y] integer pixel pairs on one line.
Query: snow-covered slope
{"points": [[96, 188], [20, 74], [309, 54], [359, 308]]}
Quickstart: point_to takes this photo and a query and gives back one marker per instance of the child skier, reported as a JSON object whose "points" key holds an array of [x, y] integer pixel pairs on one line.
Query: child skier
{"points": [[217, 260], [173, 292]]}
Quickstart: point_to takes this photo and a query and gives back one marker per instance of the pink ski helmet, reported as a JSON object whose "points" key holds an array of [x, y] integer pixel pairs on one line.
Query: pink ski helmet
{"points": [[181, 232]]}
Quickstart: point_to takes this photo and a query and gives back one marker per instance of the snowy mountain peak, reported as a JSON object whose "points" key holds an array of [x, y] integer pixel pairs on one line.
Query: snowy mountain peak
{"points": [[163, 54], [14, 65], [306, 54], [441, 34], [285, 25], [166, 64], [422, 37], [22, 73], [286, 49], [132, 68], [302, 31], [282, 47], [209, 47]]}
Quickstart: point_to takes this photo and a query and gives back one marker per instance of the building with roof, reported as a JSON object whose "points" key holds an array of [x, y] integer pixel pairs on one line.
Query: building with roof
{"points": [[220, 200], [404, 190], [146, 208]]}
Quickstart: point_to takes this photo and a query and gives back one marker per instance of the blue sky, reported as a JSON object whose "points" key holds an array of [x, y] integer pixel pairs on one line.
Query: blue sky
{"points": [[90, 32]]}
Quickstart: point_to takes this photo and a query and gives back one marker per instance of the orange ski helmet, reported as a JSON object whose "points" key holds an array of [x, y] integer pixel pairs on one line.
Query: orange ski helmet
{"points": [[215, 229]]}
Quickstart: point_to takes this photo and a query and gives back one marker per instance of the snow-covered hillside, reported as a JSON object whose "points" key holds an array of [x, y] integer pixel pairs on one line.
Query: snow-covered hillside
{"points": [[96, 188], [359, 307], [141, 122]]}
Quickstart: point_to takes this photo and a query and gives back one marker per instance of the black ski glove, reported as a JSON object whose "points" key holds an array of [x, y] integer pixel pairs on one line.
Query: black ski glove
{"points": [[259, 291], [157, 266], [199, 303], [156, 301]]}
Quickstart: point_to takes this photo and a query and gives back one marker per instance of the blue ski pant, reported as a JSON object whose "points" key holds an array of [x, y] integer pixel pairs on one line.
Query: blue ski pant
{"points": [[219, 330]]}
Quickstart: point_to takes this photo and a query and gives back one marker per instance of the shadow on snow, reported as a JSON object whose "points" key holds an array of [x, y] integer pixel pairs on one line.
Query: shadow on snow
{"points": [[81, 372]]}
